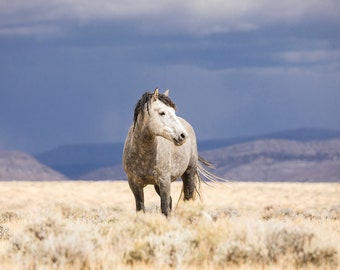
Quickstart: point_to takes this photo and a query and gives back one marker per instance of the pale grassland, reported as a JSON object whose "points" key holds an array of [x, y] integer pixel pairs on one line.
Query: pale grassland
{"points": [[93, 225]]}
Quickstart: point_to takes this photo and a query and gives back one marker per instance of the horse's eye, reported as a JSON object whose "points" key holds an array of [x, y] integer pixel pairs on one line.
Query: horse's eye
{"points": [[161, 113]]}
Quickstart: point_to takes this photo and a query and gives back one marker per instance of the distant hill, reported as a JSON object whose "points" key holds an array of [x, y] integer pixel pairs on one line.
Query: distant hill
{"points": [[301, 135], [16, 165], [95, 161], [278, 160], [264, 160], [105, 173], [77, 160]]}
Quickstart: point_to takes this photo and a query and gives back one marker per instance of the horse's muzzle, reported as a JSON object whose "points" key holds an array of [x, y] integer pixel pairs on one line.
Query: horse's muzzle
{"points": [[180, 139]]}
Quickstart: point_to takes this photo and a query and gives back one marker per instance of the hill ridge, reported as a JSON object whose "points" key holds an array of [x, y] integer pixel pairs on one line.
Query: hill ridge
{"points": [[82, 161], [16, 165]]}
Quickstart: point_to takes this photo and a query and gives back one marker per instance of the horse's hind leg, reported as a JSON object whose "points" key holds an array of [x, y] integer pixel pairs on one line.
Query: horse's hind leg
{"points": [[189, 183], [159, 193], [138, 192]]}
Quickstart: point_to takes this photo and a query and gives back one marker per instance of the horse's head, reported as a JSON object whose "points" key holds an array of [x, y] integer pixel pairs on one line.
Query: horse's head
{"points": [[161, 119]]}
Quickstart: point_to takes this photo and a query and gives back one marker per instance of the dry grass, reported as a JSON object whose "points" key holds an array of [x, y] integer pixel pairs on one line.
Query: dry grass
{"points": [[93, 225]]}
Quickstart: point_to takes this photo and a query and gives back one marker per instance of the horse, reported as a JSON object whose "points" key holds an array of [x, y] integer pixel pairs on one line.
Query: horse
{"points": [[159, 148]]}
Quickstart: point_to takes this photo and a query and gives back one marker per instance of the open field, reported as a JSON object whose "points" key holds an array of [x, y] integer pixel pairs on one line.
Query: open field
{"points": [[93, 225]]}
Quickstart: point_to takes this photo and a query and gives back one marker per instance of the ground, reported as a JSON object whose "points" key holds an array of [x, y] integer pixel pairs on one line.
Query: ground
{"points": [[244, 225]]}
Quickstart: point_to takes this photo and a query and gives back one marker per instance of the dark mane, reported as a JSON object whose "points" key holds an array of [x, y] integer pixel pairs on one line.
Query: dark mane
{"points": [[146, 99]]}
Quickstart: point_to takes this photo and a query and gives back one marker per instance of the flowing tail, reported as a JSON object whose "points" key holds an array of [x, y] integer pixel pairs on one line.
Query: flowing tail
{"points": [[205, 176], [203, 173]]}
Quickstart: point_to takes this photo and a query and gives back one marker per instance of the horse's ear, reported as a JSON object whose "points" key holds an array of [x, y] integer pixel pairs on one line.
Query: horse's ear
{"points": [[155, 95], [166, 93]]}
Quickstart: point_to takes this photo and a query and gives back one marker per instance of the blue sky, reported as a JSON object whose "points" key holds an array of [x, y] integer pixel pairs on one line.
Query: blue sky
{"points": [[72, 71]]}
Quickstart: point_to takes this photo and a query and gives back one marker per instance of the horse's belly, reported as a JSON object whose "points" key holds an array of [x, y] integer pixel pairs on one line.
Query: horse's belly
{"points": [[179, 165]]}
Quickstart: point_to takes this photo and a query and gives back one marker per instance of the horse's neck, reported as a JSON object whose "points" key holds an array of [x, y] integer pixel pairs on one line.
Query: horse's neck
{"points": [[144, 142]]}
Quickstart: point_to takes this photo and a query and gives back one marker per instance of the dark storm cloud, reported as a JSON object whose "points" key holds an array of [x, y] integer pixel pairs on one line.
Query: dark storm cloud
{"points": [[71, 71]]}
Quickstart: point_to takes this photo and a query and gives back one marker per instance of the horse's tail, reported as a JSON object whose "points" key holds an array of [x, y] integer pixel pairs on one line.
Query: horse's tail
{"points": [[203, 175]]}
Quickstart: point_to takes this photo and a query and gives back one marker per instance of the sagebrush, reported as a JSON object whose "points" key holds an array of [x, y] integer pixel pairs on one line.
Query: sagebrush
{"points": [[65, 233]]}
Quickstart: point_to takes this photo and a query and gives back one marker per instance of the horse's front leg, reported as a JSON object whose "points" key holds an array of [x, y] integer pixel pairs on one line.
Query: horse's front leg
{"points": [[138, 192], [159, 193], [164, 193]]}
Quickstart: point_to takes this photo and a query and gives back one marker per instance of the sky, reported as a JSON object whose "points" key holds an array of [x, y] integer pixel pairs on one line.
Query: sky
{"points": [[71, 71]]}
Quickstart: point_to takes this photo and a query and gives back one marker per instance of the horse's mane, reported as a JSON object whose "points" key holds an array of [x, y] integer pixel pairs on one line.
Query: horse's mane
{"points": [[146, 99]]}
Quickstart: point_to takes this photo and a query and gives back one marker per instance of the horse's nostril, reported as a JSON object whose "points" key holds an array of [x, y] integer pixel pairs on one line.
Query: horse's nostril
{"points": [[182, 136]]}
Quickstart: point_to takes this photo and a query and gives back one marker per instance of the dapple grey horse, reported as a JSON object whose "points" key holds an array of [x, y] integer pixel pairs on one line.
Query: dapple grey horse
{"points": [[161, 147]]}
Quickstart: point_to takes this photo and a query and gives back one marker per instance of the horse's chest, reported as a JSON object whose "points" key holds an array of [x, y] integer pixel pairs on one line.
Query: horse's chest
{"points": [[143, 164], [172, 161], [149, 165]]}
